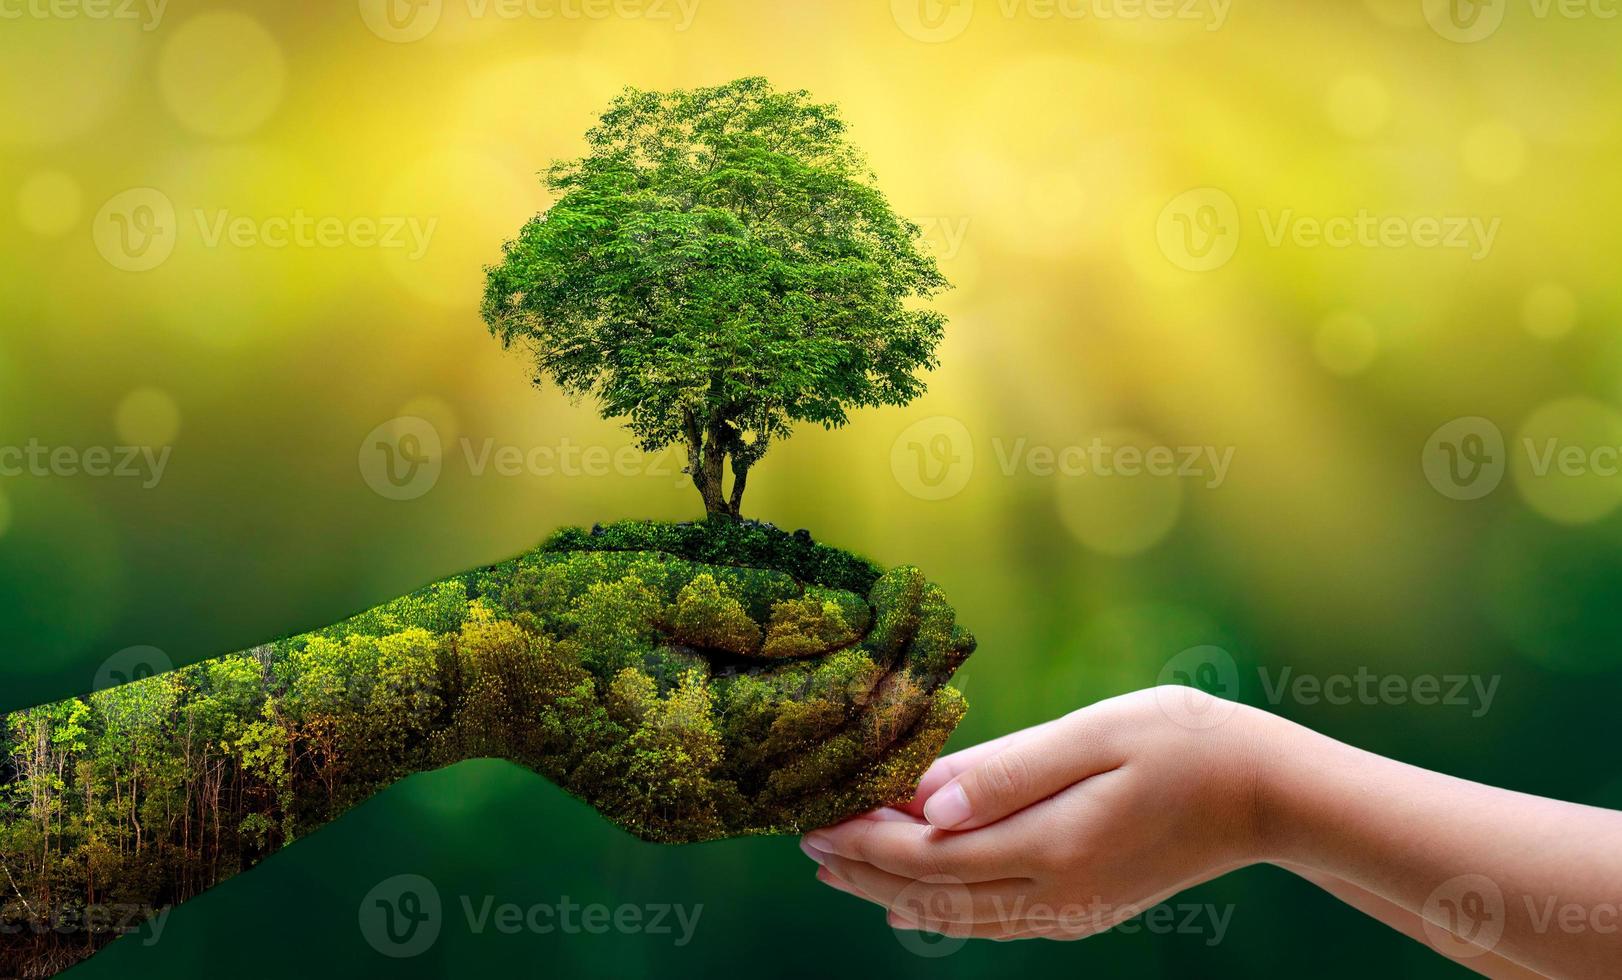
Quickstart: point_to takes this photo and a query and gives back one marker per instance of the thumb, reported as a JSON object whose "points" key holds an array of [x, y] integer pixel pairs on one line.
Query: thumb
{"points": [[1027, 771]]}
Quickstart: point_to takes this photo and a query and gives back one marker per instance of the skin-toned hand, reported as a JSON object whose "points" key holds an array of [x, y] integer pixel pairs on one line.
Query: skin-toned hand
{"points": [[1066, 829], [1131, 810]]}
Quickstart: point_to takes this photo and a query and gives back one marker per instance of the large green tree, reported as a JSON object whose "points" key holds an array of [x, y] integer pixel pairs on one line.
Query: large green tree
{"points": [[719, 266]]}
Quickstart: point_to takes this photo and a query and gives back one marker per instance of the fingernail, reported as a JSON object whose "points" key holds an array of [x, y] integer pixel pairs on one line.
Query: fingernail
{"points": [[948, 808], [813, 853], [819, 841]]}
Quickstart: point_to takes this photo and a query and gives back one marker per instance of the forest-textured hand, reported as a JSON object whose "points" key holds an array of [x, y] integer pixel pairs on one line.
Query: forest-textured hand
{"points": [[690, 681]]}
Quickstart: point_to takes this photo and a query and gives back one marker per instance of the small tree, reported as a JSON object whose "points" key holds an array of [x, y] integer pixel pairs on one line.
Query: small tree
{"points": [[719, 266]]}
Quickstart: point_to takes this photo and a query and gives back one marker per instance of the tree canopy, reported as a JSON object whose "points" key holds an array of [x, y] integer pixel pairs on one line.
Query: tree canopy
{"points": [[719, 266]]}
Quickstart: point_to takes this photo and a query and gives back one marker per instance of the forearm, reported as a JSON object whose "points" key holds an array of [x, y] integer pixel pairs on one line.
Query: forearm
{"points": [[1408, 923], [1533, 880]]}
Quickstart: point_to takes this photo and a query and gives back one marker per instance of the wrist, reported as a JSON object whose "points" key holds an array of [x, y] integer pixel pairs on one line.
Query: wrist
{"points": [[1268, 749]]}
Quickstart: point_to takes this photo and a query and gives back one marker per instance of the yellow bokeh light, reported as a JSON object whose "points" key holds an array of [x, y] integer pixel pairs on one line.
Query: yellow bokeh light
{"points": [[1566, 463], [147, 417], [61, 77], [49, 203], [1110, 501], [222, 74], [1549, 311], [1346, 343], [1358, 105], [1494, 152]]}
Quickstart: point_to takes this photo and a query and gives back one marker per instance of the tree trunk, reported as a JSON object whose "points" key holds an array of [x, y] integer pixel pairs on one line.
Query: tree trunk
{"points": [[740, 478], [706, 463]]}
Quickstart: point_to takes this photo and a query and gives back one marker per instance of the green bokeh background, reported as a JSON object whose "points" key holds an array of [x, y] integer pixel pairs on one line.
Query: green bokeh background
{"points": [[1040, 152]]}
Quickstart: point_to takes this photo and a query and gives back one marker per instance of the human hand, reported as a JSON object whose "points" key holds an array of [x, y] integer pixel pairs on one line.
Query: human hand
{"points": [[1063, 830]]}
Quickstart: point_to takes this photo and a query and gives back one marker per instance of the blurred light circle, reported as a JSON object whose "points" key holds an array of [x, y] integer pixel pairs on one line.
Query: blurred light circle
{"points": [[222, 74], [1346, 343], [1112, 503], [1358, 105], [1549, 311], [1567, 460], [49, 203], [1494, 152], [147, 417], [62, 77]]}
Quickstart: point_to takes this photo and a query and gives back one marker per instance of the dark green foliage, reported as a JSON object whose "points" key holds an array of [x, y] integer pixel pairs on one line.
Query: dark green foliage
{"points": [[719, 541], [686, 698]]}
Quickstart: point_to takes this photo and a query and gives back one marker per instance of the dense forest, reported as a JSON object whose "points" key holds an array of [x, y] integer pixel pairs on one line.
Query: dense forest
{"points": [[685, 697]]}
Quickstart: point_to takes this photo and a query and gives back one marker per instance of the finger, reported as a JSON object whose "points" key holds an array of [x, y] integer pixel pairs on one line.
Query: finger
{"points": [[948, 767], [1024, 773], [916, 850], [942, 898], [881, 815], [892, 814]]}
